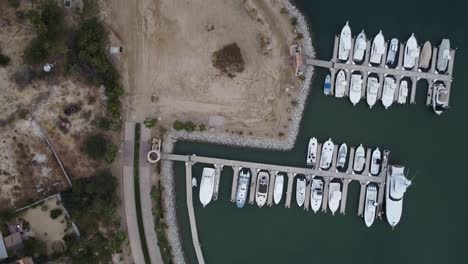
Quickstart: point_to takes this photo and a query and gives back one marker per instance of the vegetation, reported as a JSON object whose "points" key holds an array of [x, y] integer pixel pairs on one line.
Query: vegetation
{"points": [[294, 21], [93, 249], [117, 240], [187, 126], [96, 147], [202, 127], [283, 10], [35, 248], [14, 3], [160, 226], [111, 153], [4, 60], [229, 60], [55, 213], [150, 122]]}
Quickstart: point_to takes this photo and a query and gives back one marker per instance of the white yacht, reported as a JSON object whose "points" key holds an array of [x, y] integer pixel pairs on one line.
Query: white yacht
{"points": [[411, 52], [327, 154], [395, 189], [443, 56], [207, 185], [242, 187], [300, 190], [345, 43], [360, 46], [388, 93], [392, 51], [261, 192], [426, 54], [312, 152], [439, 97], [342, 156], [340, 84], [403, 93], [334, 196], [372, 90], [370, 204], [378, 48], [356, 88], [376, 162], [278, 191], [317, 194], [359, 159]]}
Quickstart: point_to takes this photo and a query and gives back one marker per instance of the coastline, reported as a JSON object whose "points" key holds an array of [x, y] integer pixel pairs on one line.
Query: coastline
{"points": [[167, 171]]}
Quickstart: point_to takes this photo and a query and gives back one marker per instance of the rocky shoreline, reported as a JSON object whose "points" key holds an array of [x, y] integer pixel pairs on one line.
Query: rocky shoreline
{"points": [[167, 172]]}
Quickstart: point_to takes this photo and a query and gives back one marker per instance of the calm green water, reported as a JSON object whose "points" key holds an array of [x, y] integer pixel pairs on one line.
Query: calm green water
{"points": [[433, 226]]}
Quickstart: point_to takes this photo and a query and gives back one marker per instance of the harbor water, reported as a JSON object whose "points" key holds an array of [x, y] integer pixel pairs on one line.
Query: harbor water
{"points": [[433, 226]]}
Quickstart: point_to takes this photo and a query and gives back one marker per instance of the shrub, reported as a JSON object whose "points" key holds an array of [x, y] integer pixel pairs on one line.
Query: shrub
{"points": [[294, 21], [150, 122], [111, 153], [96, 147], [187, 126], [4, 60], [202, 127], [55, 213], [229, 60]]}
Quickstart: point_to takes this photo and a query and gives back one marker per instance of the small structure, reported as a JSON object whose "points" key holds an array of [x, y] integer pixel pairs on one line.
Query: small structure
{"points": [[296, 51], [115, 50], [48, 67]]}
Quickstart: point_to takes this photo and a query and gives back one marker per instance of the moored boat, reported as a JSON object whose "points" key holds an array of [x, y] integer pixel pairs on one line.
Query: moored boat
{"points": [[370, 204], [360, 46], [426, 54], [300, 190], [345, 43], [388, 93], [242, 187], [392, 51], [342, 156], [395, 189], [443, 56], [334, 196], [376, 161], [278, 191], [327, 154], [207, 185], [261, 193], [359, 159], [340, 84], [356, 87], [327, 85], [372, 90], [317, 194], [440, 97], [378, 48], [403, 93], [411, 52], [312, 152]]}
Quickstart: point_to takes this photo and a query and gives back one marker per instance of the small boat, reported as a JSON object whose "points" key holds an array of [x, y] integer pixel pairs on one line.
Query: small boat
{"points": [[426, 54], [360, 46], [242, 187], [378, 48], [327, 154], [312, 152], [334, 196], [372, 90], [300, 190], [317, 194], [342, 156], [356, 88], [345, 43], [207, 185], [194, 182], [439, 97], [376, 161], [340, 84], [261, 193], [278, 191], [395, 189], [388, 93], [443, 56], [403, 93], [359, 159], [411, 52], [327, 85], [392, 51], [370, 204]]}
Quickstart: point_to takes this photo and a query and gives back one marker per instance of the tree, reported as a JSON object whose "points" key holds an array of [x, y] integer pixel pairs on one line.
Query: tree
{"points": [[96, 147], [55, 213]]}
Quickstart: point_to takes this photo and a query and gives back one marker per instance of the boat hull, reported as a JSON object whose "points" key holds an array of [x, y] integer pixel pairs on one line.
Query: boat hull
{"points": [[375, 162], [334, 197], [312, 152], [359, 159], [327, 155], [300, 190], [278, 191], [242, 188], [207, 186], [316, 196], [370, 205], [261, 193]]}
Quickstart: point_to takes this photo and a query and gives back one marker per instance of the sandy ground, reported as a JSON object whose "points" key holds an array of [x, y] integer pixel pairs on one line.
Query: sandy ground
{"points": [[167, 58]]}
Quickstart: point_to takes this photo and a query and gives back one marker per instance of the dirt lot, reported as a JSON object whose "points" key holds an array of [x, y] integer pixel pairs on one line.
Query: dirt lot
{"points": [[167, 62]]}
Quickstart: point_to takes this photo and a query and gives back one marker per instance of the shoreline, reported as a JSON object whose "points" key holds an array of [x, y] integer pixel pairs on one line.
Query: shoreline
{"points": [[167, 171]]}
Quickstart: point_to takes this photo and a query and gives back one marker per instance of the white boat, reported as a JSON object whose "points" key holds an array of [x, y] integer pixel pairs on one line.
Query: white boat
{"points": [[439, 97], [317, 194], [360, 46], [334, 196], [392, 51], [261, 193], [312, 152], [278, 191], [342, 156], [340, 84], [359, 159], [378, 48], [327, 85], [194, 182], [327, 154], [207, 185], [388, 93], [411, 52], [443, 56], [300, 190], [426, 54], [372, 90], [376, 161], [370, 204], [395, 189], [356, 88], [403, 93], [242, 188], [345, 43]]}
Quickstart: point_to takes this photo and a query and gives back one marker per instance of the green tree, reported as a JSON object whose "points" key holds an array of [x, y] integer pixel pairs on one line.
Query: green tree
{"points": [[96, 147], [55, 213], [111, 153], [150, 122]]}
